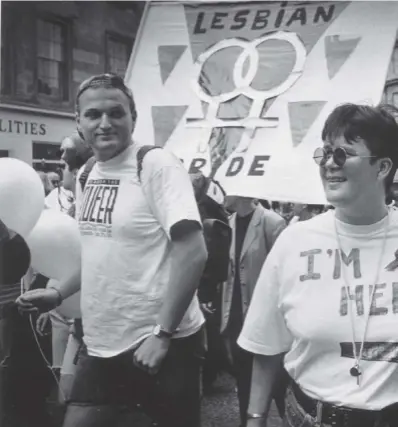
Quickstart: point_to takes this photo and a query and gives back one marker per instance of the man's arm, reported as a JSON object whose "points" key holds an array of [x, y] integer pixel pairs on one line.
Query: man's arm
{"points": [[189, 257], [170, 195], [264, 375], [188, 260]]}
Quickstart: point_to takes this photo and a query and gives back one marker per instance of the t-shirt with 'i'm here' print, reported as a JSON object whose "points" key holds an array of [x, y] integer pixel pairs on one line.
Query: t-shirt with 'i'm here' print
{"points": [[301, 306]]}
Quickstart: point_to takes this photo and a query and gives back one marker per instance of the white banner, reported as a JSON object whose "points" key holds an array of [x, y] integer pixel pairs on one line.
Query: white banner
{"points": [[242, 91]]}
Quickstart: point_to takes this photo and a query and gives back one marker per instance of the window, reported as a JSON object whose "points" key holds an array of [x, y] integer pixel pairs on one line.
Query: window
{"points": [[390, 95], [395, 99], [118, 51], [46, 156], [52, 74]]}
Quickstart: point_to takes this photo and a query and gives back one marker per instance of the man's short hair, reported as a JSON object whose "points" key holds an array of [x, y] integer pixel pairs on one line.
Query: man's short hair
{"points": [[76, 155], [375, 125], [108, 81]]}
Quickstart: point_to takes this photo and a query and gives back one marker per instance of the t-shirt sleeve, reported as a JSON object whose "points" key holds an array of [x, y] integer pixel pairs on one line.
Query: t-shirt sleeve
{"points": [[169, 192], [264, 330]]}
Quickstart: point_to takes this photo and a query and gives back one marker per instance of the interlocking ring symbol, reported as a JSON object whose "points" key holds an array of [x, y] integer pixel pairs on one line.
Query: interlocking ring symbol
{"points": [[243, 82]]}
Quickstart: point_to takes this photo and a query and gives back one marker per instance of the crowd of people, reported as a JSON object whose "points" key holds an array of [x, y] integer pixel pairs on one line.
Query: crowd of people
{"points": [[303, 313]]}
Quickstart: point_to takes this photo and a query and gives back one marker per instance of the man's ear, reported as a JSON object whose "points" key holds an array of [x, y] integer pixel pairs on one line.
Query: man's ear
{"points": [[385, 167]]}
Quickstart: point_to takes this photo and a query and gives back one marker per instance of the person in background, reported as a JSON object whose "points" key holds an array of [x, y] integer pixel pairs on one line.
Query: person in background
{"points": [[25, 380], [54, 178], [66, 333], [287, 211], [303, 212], [48, 186], [265, 204], [60, 199], [299, 212], [324, 304], [254, 232], [276, 207], [315, 210]]}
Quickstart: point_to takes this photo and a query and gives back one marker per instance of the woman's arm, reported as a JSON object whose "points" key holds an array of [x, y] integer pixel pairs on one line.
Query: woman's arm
{"points": [[266, 370]]}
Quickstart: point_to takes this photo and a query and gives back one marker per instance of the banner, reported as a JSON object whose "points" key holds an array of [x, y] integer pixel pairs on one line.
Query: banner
{"points": [[242, 90]]}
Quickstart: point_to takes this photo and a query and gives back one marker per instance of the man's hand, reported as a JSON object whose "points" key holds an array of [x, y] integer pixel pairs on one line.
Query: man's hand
{"points": [[38, 300], [151, 353], [42, 323]]}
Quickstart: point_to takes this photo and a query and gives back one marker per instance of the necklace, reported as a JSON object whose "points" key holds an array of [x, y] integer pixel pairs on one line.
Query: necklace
{"points": [[356, 371], [69, 199]]}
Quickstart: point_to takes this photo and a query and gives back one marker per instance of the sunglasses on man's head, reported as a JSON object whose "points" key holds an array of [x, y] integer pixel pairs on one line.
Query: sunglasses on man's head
{"points": [[339, 154], [103, 80]]}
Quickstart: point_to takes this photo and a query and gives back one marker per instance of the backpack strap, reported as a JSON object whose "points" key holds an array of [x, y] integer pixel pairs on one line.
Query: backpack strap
{"points": [[142, 152], [88, 167]]}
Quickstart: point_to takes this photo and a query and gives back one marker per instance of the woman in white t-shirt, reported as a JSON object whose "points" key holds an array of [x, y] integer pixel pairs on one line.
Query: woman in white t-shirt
{"points": [[326, 302]]}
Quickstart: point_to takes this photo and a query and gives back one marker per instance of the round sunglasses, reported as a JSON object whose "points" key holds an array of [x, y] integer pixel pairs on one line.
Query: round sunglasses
{"points": [[339, 154]]}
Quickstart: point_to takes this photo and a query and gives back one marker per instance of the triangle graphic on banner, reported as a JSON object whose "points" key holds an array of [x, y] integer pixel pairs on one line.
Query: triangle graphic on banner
{"points": [[168, 57], [302, 115], [338, 49], [165, 119]]}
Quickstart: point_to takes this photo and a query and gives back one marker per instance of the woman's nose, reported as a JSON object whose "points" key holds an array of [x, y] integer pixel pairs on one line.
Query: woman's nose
{"points": [[330, 163]]}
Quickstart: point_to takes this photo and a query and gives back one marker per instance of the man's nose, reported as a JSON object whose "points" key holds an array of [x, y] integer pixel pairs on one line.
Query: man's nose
{"points": [[105, 122]]}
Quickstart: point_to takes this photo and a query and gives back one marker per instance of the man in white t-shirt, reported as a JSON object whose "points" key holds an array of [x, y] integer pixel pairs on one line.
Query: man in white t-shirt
{"points": [[143, 254], [326, 302]]}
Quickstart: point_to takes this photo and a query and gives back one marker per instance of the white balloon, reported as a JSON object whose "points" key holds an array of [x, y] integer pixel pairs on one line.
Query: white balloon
{"points": [[70, 307], [55, 245], [21, 195]]}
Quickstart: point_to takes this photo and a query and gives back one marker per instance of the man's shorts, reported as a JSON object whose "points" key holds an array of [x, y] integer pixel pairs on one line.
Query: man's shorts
{"points": [[174, 392]]}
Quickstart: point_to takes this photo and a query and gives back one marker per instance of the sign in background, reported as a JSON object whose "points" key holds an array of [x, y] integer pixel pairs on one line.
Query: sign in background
{"points": [[242, 90]]}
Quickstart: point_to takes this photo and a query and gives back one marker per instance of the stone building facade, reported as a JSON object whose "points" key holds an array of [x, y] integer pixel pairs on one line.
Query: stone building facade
{"points": [[48, 48]]}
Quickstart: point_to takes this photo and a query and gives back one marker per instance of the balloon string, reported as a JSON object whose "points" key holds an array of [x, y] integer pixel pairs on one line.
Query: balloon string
{"points": [[46, 360], [48, 364]]}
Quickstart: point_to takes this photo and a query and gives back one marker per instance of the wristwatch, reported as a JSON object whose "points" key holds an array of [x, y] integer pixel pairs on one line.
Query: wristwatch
{"points": [[159, 332]]}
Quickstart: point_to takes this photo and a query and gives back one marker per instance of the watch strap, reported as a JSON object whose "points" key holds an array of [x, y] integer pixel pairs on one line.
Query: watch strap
{"points": [[160, 332]]}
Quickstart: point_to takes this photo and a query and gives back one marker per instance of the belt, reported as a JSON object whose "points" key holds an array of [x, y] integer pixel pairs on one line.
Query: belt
{"points": [[339, 416]]}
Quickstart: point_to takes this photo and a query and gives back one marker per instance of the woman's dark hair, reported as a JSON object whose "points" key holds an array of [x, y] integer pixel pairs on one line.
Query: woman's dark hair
{"points": [[376, 126]]}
